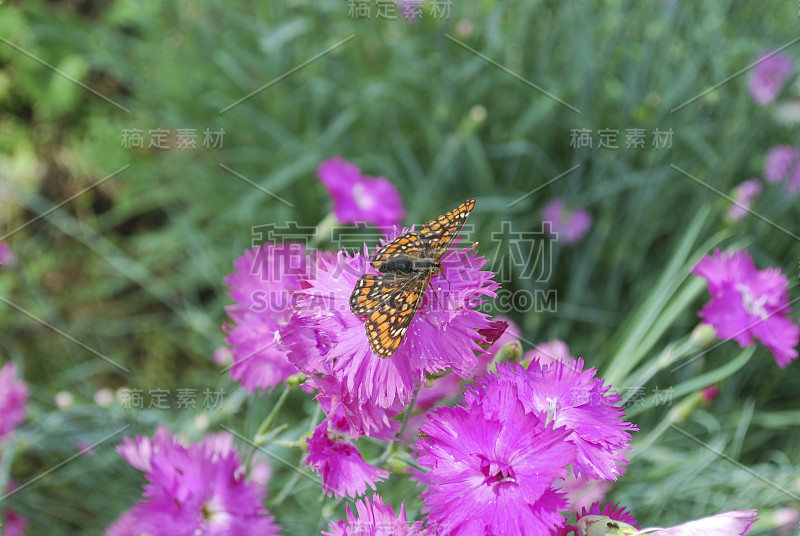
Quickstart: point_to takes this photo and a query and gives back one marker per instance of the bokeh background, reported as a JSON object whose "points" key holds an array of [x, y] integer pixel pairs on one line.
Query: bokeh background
{"points": [[133, 267]]}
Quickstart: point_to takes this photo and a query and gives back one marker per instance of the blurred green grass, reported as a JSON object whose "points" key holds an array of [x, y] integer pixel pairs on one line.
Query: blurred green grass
{"points": [[134, 267]]}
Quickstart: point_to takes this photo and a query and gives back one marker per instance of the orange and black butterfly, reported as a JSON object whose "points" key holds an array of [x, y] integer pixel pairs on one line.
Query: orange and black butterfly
{"points": [[407, 263]]}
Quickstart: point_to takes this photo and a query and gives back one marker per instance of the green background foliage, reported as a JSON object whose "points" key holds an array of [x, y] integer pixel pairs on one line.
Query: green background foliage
{"points": [[133, 268]]}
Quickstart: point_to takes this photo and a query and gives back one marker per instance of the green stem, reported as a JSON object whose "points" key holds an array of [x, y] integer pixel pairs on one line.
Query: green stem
{"points": [[689, 387], [266, 425], [287, 489], [672, 353], [391, 446]]}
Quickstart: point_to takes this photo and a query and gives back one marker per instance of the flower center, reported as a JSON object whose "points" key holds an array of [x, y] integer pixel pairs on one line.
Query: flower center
{"points": [[552, 408], [752, 305], [214, 514], [362, 198], [495, 472]]}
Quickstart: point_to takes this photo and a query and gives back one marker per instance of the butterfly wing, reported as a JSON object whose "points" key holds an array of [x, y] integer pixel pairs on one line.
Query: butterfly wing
{"points": [[408, 244], [437, 235], [389, 302]]}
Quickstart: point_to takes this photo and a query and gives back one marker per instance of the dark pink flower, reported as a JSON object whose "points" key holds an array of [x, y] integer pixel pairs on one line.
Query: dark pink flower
{"points": [[13, 524], [200, 489], [747, 303], [582, 492], [611, 510], [442, 388], [491, 465], [7, 258], [339, 463], [502, 332], [565, 225], [358, 198], [138, 452], [781, 163], [374, 518], [349, 414], [125, 525], [568, 396], [495, 330], [710, 393], [13, 399], [769, 76], [442, 335], [261, 287], [743, 195]]}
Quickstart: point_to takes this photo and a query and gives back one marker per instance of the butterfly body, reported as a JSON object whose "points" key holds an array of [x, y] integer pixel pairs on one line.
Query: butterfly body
{"points": [[406, 264]]}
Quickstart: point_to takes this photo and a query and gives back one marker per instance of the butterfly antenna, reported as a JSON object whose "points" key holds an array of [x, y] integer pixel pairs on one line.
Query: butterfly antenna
{"points": [[452, 251]]}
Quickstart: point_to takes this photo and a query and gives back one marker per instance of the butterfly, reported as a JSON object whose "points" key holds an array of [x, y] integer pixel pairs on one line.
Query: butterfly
{"points": [[406, 265]]}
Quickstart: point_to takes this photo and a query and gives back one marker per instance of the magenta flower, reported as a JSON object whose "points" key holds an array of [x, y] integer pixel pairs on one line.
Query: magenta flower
{"points": [[442, 388], [572, 398], [7, 258], [566, 225], [781, 163], [442, 335], [138, 452], [374, 518], [358, 198], [582, 492], [549, 352], [261, 287], [200, 489], [340, 404], [125, 525], [339, 463], [743, 196], [611, 510], [13, 399], [769, 76], [491, 465], [503, 331], [709, 393], [13, 524], [747, 303], [350, 415], [440, 391]]}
